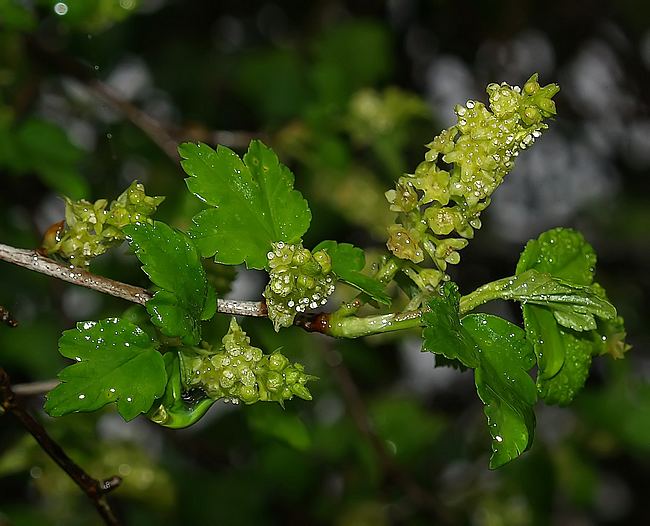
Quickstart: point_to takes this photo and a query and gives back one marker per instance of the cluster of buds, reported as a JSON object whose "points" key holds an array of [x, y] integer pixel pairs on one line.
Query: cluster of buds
{"points": [[440, 204], [299, 280], [243, 373], [92, 228]]}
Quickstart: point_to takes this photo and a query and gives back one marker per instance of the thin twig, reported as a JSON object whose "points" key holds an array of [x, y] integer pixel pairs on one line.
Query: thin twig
{"points": [[34, 388], [93, 488], [359, 414], [166, 137], [32, 260]]}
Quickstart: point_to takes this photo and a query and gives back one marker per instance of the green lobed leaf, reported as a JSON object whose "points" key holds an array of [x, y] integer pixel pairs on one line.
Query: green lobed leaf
{"points": [[564, 326], [561, 252], [253, 200], [503, 384], [172, 262], [347, 263], [443, 332], [117, 362]]}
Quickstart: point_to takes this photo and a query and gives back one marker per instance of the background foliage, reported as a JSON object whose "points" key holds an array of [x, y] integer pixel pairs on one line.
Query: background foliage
{"points": [[346, 93]]}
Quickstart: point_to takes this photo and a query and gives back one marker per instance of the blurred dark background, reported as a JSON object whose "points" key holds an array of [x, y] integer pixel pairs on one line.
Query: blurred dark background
{"points": [[94, 94]]}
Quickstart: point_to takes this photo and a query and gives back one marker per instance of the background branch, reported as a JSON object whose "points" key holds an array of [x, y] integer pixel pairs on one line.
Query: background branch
{"points": [[94, 489], [359, 413], [165, 136]]}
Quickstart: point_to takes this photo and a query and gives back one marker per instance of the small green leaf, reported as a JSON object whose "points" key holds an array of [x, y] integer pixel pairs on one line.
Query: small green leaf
{"points": [[443, 332], [503, 384], [561, 252], [118, 363], [254, 203], [173, 263], [347, 263], [564, 313]]}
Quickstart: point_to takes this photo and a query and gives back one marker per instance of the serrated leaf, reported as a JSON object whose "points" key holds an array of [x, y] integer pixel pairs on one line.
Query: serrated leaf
{"points": [[117, 362], [503, 384], [564, 327], [347, 263], [443, 332], [254, 203], [561, 252], [173, 263]]}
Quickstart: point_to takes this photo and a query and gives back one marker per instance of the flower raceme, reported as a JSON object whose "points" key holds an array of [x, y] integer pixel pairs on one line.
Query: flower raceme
{"points": [[92, 228], [241, 372], [440, 204]]}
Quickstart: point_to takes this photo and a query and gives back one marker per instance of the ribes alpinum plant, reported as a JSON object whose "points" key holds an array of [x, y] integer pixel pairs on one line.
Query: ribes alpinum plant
{"points": [[158, 364]]}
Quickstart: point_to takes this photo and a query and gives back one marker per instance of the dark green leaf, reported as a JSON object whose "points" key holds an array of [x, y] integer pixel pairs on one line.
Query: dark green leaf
{"points": [[43, 148], [503, 384], [173, 263], [273, 421], [347, 263], [254, 203], [118, 363], [443, 332]]}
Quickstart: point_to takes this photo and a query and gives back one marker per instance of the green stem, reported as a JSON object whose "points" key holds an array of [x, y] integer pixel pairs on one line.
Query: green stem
{"points": [[355, 327], [343, 325], [488, 292]]}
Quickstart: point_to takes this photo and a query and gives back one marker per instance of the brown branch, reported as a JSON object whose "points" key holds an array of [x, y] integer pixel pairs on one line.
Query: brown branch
{"points": [[94, 489], [359, 414], [32, 260]]}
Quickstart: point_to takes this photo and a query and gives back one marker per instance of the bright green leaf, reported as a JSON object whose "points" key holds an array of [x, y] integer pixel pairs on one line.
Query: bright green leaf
{"points": [[117, 362], [254, 203], [503, 384], [443, 332], [564, 312], [347, 263], [173, 263], [561, 252], [573, 306]]}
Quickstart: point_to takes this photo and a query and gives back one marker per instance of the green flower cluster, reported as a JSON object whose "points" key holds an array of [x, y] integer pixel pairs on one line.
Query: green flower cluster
{"points": [[299, 280], [440, 204], [92, 228], [241, 372]]}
